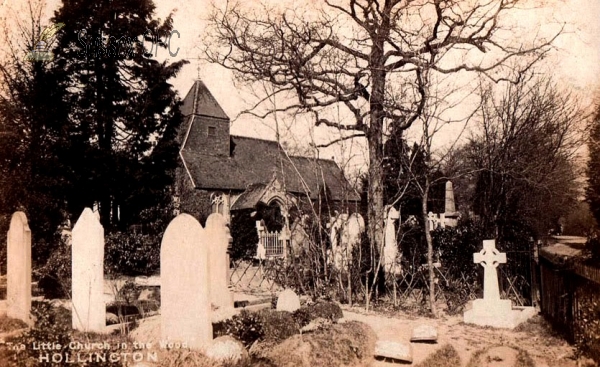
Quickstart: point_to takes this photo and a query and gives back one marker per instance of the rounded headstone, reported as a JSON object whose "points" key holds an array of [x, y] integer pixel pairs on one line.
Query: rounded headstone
{"points": [[226, 348], [288, 301]]}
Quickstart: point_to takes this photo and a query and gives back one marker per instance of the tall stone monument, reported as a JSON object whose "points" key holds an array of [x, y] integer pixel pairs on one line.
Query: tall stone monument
{"points": [[218, 239], [185, 292], [450, 213], [491, 310], [87, 264], [390, 248], [18, 292]]}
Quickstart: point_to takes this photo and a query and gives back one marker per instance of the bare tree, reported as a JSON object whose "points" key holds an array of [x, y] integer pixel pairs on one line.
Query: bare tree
{"points": [[369, 58], [524, 154]]}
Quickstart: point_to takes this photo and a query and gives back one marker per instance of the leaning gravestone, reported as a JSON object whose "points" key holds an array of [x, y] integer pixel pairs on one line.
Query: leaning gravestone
{"points": [[185, 294], [87, 264], [217, 239], [18, 292]]}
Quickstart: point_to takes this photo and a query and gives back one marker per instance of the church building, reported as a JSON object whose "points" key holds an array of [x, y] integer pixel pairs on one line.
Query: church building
{"points": [[224, 173]]}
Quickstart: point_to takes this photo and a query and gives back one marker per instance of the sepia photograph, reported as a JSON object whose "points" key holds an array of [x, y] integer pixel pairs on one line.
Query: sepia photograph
{"points": [[282, 183]]}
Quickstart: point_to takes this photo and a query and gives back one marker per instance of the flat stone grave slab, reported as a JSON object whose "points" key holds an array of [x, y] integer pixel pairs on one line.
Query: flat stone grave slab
{"points": [[424, 334], [390, 351]]}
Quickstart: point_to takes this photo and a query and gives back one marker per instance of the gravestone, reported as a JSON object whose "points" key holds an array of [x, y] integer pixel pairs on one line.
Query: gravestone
{"points": [[450, 213], [185, 293], [87, 265], [491, 310], [396, 351], [425, 334], [288, 301], [390, 249], [18, 292], [218, 239], [226, 349]]}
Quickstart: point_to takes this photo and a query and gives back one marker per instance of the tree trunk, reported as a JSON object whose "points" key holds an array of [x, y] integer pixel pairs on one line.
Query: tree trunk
{"points": [[375, 141], [425, 198]]}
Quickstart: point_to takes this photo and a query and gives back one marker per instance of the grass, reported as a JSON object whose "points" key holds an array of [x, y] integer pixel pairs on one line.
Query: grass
{"points": [[523, 359], [446, 356], [537, 325], [9, 324]]}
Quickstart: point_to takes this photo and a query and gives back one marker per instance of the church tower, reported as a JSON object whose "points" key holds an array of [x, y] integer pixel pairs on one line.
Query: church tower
{"points": [[206, 126]]}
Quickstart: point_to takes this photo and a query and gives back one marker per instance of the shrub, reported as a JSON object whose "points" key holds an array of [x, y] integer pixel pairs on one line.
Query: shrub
{"points": [[9, 324], [302, 316], [326, 310], [132, 253], [246, 327], [52, 325], [348, 344], [277, 325], [446, 356], [55, 275]]}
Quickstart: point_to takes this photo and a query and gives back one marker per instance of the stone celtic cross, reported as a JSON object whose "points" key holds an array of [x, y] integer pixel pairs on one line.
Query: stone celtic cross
{"points": [[490, 258]]}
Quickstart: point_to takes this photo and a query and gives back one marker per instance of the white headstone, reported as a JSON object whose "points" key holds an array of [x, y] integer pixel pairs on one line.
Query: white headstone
{"points": [[491, 310], [288, 301], [432, 221], [218, 237], [87, 284], [490, 258], [390, 248], [18, 292], [185, 294]]}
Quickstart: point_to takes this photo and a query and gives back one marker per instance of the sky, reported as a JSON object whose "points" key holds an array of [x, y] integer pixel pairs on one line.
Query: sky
{"points": [[575, 62]]}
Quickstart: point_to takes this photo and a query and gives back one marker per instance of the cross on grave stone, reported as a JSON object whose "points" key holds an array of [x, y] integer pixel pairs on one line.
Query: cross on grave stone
{"points": [[490, 258]]}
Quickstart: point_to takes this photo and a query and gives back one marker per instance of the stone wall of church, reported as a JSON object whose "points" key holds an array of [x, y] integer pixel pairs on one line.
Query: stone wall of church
{"points": [[192, 201]]}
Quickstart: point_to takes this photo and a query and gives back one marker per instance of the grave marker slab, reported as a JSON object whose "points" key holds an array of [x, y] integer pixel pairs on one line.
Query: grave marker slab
{"points": [[288, 301], [87, 285], [185, 293], [390, 249], [491, 310], [425, 334], [18, 292], [395, 351], [218, 239]]}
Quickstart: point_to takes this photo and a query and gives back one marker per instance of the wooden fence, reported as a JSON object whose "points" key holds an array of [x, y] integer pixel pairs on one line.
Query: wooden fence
{"points": [[570, 300]]}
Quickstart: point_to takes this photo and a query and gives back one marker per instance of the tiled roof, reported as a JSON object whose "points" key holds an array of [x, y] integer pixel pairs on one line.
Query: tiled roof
{"points": [[199, 101], [255, 161]]}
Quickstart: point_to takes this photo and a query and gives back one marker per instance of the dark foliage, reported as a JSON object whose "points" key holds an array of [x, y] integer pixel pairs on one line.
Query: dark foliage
{"points": [[246, 327], [124, 113], [132, 254], [277, 325], [321, 309]]}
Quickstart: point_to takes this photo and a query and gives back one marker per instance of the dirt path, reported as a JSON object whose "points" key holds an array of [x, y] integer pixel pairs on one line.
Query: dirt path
{"points": [[546, 350]]}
